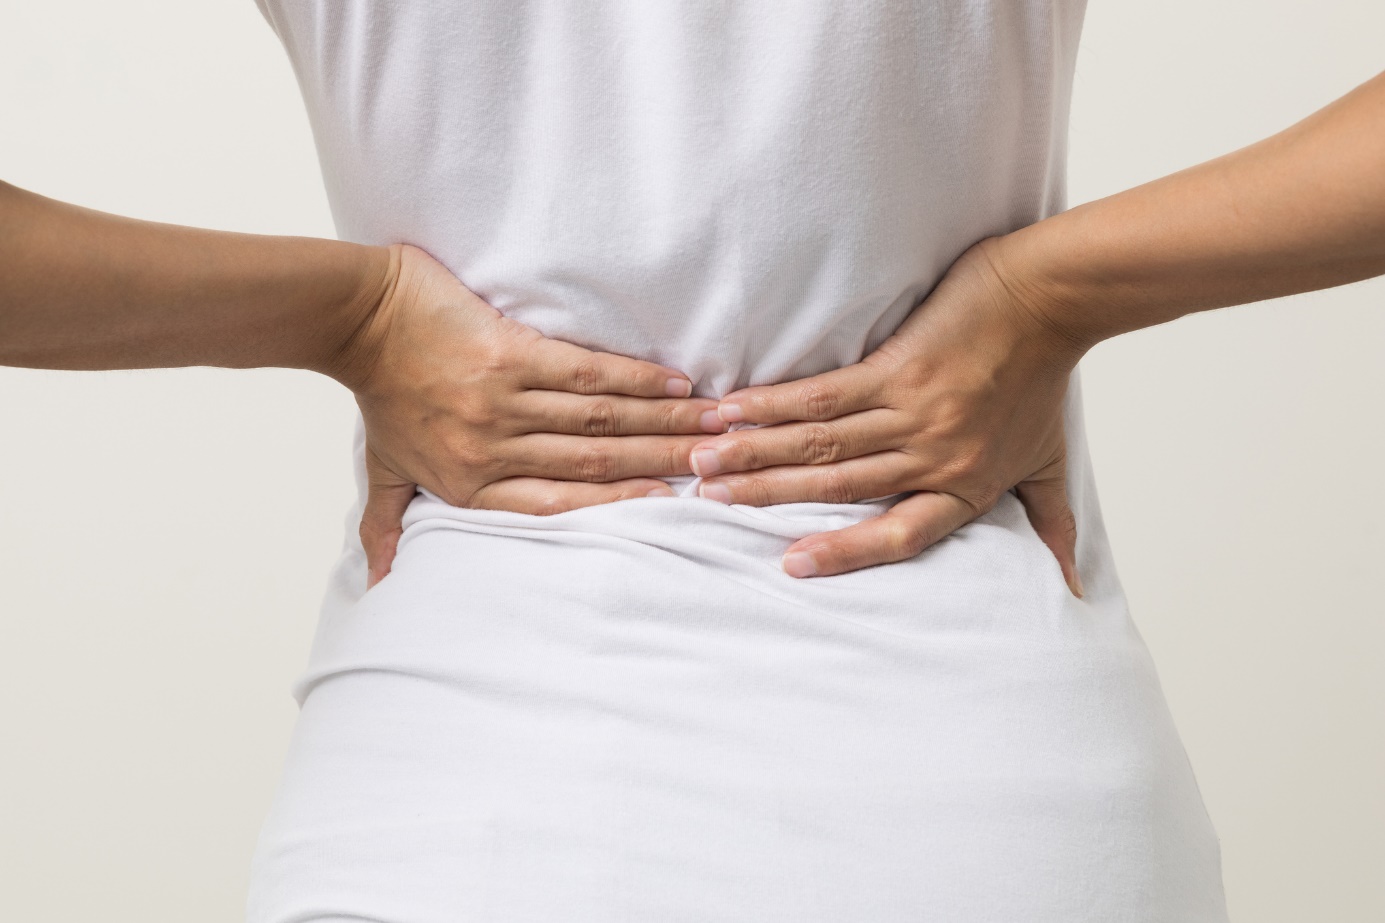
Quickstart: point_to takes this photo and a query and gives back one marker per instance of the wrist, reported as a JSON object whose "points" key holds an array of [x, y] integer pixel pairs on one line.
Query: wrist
{"points": [[354, 337], [1052, 314]]}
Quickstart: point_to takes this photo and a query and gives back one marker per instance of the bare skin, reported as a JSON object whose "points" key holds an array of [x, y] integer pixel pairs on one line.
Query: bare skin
{"points": [[457, 398], [964, 401]]}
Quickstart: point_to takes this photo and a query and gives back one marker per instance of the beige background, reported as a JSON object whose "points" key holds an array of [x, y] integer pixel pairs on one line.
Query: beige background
{"points": [[166, 534]]}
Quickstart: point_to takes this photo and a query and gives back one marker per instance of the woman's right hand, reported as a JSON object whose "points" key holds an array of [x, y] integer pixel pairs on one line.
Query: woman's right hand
{"points": [[487, 413]]}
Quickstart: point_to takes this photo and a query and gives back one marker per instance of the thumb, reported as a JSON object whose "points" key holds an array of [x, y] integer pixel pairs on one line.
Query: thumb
{"points": [[1045, 499], [387, 498]]}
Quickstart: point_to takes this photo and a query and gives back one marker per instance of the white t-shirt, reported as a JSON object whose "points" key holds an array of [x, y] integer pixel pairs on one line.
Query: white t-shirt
{"points": [[628, 712]]}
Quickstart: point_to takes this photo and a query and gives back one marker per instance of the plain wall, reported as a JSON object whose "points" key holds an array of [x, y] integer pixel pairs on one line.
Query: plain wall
{"points": [[165, 536]]}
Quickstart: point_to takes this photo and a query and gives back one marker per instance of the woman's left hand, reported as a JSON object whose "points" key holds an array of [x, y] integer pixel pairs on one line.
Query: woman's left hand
{"points": [[962, 403]]}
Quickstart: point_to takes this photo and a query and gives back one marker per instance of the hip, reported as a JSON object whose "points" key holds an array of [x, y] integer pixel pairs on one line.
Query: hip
{"points": [[611, 724]]}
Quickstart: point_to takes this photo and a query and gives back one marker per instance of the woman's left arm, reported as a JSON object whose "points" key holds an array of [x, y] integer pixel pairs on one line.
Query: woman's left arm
{"points": [[964, 401]]}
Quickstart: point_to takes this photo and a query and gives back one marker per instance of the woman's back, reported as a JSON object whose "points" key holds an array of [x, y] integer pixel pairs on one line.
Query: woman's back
{"points": [[746, 191], [628, 711]]}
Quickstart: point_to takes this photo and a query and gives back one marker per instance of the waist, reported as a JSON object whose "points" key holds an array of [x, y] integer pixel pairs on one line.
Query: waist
{"points": [[652, 520]]}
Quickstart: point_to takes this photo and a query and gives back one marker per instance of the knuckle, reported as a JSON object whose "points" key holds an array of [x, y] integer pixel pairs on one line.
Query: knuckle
{"points": [[513, 338], [667, 418], [1069, 523], [467, 456], [905, 540], [599, 419], [821, 401], [908, 379], [984, 495], [458, 492], [594, 463], [478, 414], [743, 453], [950, 412], [752, 491], [495, 357], [837, 487], [822, 444], [673, 458], [968, 463], [586, 374]]}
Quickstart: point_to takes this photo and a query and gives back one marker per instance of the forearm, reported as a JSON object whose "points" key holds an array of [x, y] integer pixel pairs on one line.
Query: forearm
{"points": [[1302, 210], [81, 289]]}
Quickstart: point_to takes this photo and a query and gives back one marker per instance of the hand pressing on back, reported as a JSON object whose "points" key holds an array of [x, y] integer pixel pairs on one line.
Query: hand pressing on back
{"points": [[961, 404], [965, 401], [473, 406], [487, 413]]}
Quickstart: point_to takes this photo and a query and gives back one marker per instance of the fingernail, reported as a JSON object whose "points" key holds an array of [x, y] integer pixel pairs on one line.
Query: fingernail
{"points": [[712, 423], [705, 463], [678, 387], [731, 413], [1077, 584], [660, 492], [718, 492], [799, 564]]}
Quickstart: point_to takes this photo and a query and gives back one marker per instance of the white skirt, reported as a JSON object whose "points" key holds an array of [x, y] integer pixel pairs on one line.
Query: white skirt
{"points": [[629, 713]]}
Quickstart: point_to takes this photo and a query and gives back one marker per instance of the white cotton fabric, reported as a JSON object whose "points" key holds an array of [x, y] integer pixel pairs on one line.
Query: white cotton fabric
{"points": [[629, 712]]}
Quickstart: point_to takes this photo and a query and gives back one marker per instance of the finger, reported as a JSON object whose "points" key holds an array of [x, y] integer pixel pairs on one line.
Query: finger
{"points": [[387, 497], [1045, 501], [614, 414], [822, 397], [877, 475], [542, 497], [902, 532], [598, 458], [556, 365], [819, 443]]}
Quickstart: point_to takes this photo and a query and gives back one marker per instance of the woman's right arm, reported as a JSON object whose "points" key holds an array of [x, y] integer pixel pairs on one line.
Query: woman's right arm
{"points": [[473, 406]]}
